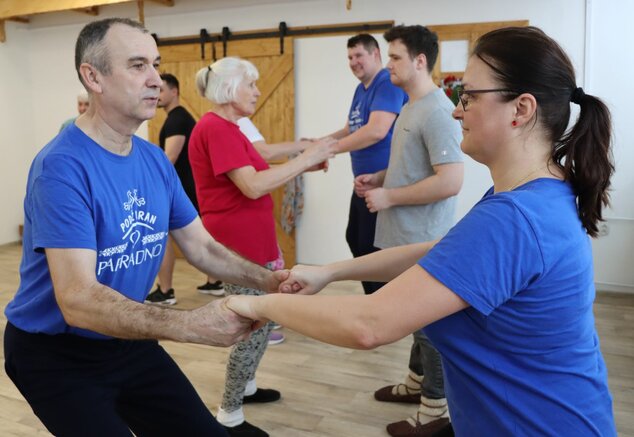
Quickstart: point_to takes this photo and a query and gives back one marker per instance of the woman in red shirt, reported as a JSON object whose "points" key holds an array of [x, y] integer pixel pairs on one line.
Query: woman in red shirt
{"points": [[233, 186]]}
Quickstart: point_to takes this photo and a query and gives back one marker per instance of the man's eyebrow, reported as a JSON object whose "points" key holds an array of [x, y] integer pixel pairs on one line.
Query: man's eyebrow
{"points": [[143, 59]]}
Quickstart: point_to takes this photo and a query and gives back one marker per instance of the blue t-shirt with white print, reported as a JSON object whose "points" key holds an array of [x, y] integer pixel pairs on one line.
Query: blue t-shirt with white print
{"points": [[81, 196], [381, 95]]}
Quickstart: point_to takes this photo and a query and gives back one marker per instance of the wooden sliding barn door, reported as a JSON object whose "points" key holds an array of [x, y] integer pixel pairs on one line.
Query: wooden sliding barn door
{"points": [[275, 112]]}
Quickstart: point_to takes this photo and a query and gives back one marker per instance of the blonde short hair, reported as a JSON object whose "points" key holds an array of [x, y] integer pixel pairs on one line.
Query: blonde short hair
{"points": [[220, 80]]}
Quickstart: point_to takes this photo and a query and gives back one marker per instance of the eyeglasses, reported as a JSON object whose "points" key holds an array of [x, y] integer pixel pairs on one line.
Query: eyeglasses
{"points": [[464, 95]]}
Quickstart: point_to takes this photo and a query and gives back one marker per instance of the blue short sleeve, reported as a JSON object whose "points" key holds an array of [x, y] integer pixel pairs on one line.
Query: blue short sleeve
{"points": [[489, 256], [388, 98], [68, 224]]}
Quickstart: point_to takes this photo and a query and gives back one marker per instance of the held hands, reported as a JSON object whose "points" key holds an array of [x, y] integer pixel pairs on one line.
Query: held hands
{"points": [[318, 153], [216, 325], [301, 280], [275, 280], [245, 306], [366, 182], [321, 166], [305, 280], [369, 186]]}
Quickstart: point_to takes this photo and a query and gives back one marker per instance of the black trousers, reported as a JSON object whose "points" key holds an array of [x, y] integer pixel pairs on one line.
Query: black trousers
{"points": [[360, 235], [79, 386]]}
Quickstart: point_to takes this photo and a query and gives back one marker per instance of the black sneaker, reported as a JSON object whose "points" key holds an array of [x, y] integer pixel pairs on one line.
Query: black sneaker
{"points": [[262, 396], [245, 429], [213, 288], [159, 298]]}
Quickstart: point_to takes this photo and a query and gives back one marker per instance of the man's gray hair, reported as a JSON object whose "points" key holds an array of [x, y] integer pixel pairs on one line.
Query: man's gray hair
{"points": [[90, 47], [219, 82]]}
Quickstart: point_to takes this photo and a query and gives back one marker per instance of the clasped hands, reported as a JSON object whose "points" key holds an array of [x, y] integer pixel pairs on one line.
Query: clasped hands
{"points": [[368, 186], [240, 315]]}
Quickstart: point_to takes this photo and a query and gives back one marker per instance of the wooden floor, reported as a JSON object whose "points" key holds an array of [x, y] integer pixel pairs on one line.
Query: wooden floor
{"points": [[326, 391]]}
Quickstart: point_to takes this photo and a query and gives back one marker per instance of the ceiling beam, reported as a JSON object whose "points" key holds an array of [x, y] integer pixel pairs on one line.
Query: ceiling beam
{"points": [[19, 19], [93, 10], [164, 2], [18, 8]]}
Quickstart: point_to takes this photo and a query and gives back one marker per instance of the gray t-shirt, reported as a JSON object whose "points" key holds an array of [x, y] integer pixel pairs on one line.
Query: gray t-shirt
{"points": [[425, 134]]}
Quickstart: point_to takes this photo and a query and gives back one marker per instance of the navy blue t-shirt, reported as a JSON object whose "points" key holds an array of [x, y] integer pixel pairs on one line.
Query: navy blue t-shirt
{"points": [[524, 358], [381, 95], [81, 196]]}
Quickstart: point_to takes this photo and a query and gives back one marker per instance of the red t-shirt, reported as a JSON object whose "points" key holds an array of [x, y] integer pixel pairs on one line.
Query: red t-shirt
{"points": [[247, 226]]}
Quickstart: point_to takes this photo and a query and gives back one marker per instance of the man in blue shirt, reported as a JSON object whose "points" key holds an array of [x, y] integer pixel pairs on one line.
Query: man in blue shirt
{"points": [[367, 136], [79, 343]]}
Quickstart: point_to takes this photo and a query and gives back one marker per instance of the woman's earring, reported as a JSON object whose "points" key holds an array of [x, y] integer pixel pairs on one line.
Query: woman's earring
{"points": [[514, 123]]}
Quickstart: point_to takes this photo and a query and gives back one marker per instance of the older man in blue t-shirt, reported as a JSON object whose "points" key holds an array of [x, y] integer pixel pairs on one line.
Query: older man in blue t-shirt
{"points": [[79, 343]]}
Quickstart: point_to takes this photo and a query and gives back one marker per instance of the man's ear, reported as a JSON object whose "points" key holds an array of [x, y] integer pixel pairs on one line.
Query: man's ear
{"points": [[421, 61], [91, 77], [525, 108]]}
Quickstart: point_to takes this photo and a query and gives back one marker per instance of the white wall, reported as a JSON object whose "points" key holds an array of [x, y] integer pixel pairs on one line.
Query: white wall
{"points": [[16, 135], [607, 68], [36, 64]]}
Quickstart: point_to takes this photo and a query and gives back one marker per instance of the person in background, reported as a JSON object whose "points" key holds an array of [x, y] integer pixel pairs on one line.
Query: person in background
{"points": [[83, 102], [174, 140], [416, 201], [233, 186], [506, 296], [367, 135], [79, 343]]}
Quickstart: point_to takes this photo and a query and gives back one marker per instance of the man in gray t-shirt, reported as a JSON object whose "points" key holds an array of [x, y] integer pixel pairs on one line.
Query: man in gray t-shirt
{"points": [[425, 139], [415, 199]]}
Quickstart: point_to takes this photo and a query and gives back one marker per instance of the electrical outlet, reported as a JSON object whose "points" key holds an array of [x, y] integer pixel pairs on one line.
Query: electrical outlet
{"points": [[604, 230]]}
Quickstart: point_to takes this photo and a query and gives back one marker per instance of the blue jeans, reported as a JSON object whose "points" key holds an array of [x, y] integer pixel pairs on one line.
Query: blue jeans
{"points": [[424, 359]]}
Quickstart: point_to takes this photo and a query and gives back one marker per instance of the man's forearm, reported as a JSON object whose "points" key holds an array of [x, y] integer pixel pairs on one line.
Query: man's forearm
{"points": [[211, 257], [101, 309], [337, 135], [429, 190], [363, 137], [222, 263]]}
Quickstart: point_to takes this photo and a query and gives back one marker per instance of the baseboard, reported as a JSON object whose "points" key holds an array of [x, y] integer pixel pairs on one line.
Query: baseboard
{"points": [[615, 288], [11, 243]]}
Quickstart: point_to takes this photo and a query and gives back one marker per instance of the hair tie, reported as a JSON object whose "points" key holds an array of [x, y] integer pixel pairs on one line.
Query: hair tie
{"points": [[577, 95], [207, 75]]}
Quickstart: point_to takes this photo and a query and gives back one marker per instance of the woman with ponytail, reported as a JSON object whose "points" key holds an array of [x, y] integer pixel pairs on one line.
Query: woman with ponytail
{"points": [[506, 296]]}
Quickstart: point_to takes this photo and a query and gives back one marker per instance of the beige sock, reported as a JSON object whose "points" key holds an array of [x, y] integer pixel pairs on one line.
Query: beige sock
{"points": [[429, 410], [411, 386]]}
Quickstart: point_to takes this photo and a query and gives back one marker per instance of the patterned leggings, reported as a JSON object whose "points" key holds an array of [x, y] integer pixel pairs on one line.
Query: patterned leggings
{"points": [[245, 356]]}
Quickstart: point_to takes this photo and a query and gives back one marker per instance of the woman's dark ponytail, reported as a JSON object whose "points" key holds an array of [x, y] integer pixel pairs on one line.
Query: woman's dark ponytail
{"points": [[585, 155]]}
